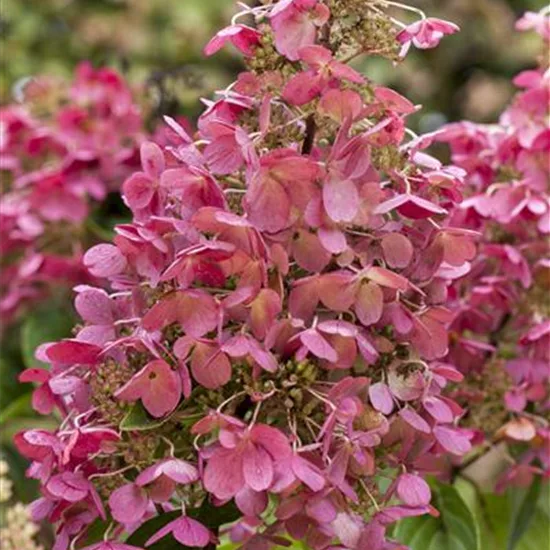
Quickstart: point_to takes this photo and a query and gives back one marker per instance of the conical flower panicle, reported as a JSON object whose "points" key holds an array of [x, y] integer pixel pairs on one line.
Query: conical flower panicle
{"points": [[275, 326]]}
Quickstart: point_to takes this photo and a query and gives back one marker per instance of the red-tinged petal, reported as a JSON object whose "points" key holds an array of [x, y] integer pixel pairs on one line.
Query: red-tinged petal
{"points": [[410, 206], [268, 207], [265, 359], [395, 101], [104, 260], [381, 398], [257, 468], [293, 30], [345, 72], [318, 345], [341, 105], [128, 503], [223, 155], [308, 473], [223, 475], [138, 190], [412, 418], [210, 367], [452, 440], [302, 88], [413, 490], [272, 440], [35, 375], [69, 486], [157, 385], [263, 312], [341, 200], [397, 249], [309, 253], [304, 298], [152, 159], [251, 503], [196, 311], [71, 352], [387, 278], [337, 291], [43, 401], [369, 303]]}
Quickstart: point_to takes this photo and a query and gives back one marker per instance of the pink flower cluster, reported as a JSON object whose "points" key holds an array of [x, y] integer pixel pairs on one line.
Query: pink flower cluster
{"points": [[62, 150], [501, 326], [274, 334]]}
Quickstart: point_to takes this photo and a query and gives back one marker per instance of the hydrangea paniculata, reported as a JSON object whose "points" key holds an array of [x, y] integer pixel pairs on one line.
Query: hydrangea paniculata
{"points": [[63, 149], [501, 323], [274, 333]]}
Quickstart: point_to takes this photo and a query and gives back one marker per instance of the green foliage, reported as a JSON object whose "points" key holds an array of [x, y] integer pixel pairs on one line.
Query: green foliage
{"points": [[138, 420], [471, 520], [455, 529], [49, 322]]}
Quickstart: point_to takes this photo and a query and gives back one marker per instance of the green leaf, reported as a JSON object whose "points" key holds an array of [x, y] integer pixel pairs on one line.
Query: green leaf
{"points": [[19, 407], [499, 516], [139, 420], [455, 529], [524, 503], [48, 323], [10, 388], [209, 515]]}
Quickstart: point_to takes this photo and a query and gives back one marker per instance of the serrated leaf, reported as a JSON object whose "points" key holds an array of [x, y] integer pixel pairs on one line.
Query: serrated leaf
{"points": [[455, 529]]}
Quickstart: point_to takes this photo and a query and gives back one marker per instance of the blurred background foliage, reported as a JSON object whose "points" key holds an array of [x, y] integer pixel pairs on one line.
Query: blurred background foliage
{"points": [[157, 45]]}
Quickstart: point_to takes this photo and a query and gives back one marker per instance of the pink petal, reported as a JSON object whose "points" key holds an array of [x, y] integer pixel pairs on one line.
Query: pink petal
{"points": [[257, 468], [452, 440], [138, 190], [341, 200], [210, 366], [381, 397], [128, 503], [70, 352], [438, 409], [412, 418], [104, 260], [369, 304], [309, 252], [94, 306], [263, 312], [251, 503], [308, 473], [158, 387], [413, 490], [190, 532], [152, 159], [398, 250], [318, 345], [223, 475]]}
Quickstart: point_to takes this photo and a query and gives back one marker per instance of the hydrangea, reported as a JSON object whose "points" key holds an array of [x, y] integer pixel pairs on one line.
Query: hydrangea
{"points": [[501, 324], [63, 149], [273, 336]]}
